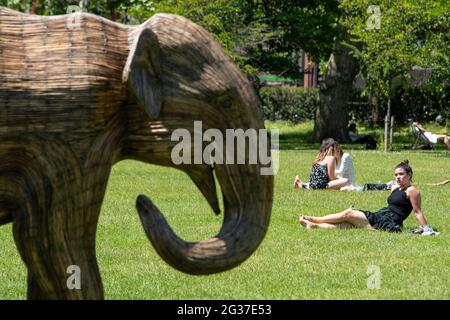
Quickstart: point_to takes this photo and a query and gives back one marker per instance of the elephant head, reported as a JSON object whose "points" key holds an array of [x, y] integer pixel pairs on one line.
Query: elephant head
{"points": [[77, 98], [179, 74]]}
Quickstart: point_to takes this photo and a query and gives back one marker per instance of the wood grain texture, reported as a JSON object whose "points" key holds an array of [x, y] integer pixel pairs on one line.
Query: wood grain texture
{"points": [[76, 99]]}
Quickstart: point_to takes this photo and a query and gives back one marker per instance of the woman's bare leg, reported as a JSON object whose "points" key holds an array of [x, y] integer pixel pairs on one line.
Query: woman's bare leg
{"points": [[311, 225], [353, 217], [439, 183], [338, 183], [444, 138], [297, 183], [347, 188]]}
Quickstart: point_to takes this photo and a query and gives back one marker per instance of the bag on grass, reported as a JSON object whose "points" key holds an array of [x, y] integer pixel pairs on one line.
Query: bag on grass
{"points": [[375, 187]]}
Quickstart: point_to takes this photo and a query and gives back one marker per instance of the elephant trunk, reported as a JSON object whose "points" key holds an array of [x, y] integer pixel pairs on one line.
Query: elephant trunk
{"points": [[247, 203]]}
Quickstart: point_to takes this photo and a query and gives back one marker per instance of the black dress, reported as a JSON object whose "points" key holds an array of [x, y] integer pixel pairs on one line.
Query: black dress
{"points": [[319, 177], [391, 218]]}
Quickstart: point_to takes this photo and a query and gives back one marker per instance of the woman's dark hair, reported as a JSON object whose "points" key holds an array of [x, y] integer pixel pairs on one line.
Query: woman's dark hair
{"points": [[352, 127], [329, 147], [327, 143], [405, 166]]}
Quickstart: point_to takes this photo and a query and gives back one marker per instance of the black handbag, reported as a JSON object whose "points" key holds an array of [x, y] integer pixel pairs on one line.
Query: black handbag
{"points": [[375, 187]]}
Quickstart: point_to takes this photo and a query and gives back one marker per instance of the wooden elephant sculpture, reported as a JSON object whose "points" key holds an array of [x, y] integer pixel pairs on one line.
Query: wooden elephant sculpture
{"points": [[78, 93]]}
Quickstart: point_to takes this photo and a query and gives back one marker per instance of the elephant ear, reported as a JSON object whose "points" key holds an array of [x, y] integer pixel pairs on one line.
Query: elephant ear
{"points": [[142, 72]]}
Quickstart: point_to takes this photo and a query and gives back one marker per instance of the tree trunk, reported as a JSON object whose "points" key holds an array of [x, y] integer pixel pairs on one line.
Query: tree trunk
{"points": [[374, 111], [332, 116]]}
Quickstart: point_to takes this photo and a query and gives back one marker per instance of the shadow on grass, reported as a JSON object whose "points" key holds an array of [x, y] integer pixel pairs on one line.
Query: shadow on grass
{"points": [[300, 140], [402, 141], [297, 141]]}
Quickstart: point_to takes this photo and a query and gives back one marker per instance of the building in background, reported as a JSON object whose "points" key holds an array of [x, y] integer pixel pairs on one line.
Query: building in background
{"points": [[310, 70]]}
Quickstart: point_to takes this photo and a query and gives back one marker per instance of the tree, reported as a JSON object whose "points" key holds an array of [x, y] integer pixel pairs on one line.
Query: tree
{"points": [[387, 40], [332, 116], [308, 26], [107, 8], [397, 36]]}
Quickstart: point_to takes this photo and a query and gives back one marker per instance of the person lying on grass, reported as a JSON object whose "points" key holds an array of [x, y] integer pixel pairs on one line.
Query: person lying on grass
{"points": [[439, 183], [432, 138], [401, 202], [323, 171]]}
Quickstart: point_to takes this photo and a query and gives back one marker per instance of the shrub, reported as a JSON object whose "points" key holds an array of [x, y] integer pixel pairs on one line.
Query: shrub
{"points": [[423, 104], [288, 103]]}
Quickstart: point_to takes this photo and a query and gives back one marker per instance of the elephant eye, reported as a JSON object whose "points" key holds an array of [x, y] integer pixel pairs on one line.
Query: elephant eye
{"points": [[224, 102], [227, 103]]}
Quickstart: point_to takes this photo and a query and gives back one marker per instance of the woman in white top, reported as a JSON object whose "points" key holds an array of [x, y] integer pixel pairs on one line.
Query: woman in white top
{"points": [[346, 169], [433, 138]]}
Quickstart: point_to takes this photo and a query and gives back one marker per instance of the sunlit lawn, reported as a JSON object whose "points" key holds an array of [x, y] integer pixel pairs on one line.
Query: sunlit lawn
{"points": [[291, 263]]}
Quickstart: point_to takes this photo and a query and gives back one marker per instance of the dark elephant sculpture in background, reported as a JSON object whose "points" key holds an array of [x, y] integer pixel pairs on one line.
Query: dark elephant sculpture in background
{"points": [[79, 93]]}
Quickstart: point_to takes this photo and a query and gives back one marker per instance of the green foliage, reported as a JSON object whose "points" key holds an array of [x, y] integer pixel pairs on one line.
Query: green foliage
{"points": [[424, 104], [293, 26], [128, 11], [15, 4], [136, 11], [407, 102], [288, 103], [410, 33]]}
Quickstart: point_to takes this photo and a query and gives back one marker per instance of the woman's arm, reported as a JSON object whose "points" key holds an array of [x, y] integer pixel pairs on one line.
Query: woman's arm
{"points": [[415, 198], [339, 167], [352, 135], [416, 124], [331, 167]]}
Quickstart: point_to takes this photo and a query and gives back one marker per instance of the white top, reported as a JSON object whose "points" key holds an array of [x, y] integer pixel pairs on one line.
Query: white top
{"points": [[352, 135], [346, 169], [431, 137]]}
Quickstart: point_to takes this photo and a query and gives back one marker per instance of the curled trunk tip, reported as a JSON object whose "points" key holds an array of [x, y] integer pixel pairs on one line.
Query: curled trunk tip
{"points": [[224, 251]]}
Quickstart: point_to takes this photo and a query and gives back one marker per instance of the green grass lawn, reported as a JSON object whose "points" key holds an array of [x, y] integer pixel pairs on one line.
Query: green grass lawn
{"points": [[291, 263]]}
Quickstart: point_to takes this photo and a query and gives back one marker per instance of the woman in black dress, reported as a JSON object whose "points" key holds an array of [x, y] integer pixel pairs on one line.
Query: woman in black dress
{"points": [[323, 170], [401, 202]]}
